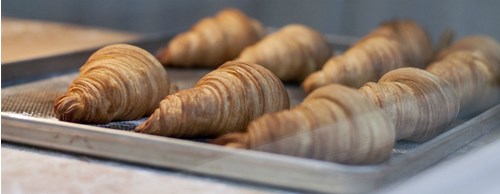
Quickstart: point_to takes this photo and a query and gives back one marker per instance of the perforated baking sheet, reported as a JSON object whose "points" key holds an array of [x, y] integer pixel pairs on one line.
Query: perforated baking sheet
{"points": [[36, 99]]}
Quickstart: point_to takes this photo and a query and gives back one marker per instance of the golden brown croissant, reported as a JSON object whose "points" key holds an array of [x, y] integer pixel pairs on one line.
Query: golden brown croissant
{"points": [[225, 100], [334, 123], [420, 104], [212, 41], [338, 124], [472, 66], [118, 82], [487, 46], [393, 45], [292, 53]]}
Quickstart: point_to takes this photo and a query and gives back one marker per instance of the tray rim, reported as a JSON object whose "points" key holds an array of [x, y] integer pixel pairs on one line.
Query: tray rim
{"points": [[85, 139], [307, 174]]}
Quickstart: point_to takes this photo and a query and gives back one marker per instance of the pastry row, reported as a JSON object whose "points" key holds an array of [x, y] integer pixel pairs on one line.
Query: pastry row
{"points": [[347, 117]]}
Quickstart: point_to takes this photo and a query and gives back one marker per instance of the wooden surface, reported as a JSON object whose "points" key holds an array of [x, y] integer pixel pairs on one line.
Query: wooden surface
{"points": [[26, 170], [26, 39]]}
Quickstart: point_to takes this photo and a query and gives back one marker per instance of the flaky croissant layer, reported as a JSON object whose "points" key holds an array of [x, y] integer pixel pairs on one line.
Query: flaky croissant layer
{"points": [[339, 124], [212, 41], [334, 123], [472, 67], [420, 104], [118, 82], [395, 44], [225, 100], [292, 53]]}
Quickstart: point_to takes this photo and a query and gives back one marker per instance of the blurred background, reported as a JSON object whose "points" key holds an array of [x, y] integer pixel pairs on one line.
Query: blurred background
{"points": [[344, 17]]}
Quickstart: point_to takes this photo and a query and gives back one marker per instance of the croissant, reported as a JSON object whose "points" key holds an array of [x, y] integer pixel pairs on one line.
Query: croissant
{"points": [[292, 53], [225, 100], [212, 41], [487, 46], [340, 126], [118, 82], [420, 104], [472, 67], [393, 45]]}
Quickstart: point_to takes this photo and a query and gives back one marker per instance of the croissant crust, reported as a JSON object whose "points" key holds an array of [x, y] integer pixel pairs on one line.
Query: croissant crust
{"points": [[118, 82], [225, 100], [395, 44], [292, 53], [212, 41], [334, 123]]}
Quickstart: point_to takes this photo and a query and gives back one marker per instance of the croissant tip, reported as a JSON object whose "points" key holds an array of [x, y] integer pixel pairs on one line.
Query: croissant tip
{"points": [[150, 126], [313, 82], [234, 140], [67, 108], [163, 56], [143, 127]]}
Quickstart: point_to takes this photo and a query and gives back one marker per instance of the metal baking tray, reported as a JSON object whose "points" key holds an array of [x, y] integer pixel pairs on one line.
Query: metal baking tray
{"points": [[29, 88]]}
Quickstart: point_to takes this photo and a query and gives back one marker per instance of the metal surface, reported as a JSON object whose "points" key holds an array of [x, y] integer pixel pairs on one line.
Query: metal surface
{"points": [[265, 168], [23, 99], [476, 172]]}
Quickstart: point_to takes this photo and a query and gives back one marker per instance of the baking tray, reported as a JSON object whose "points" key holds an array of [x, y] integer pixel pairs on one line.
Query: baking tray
{"points": [[35, 80]]}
